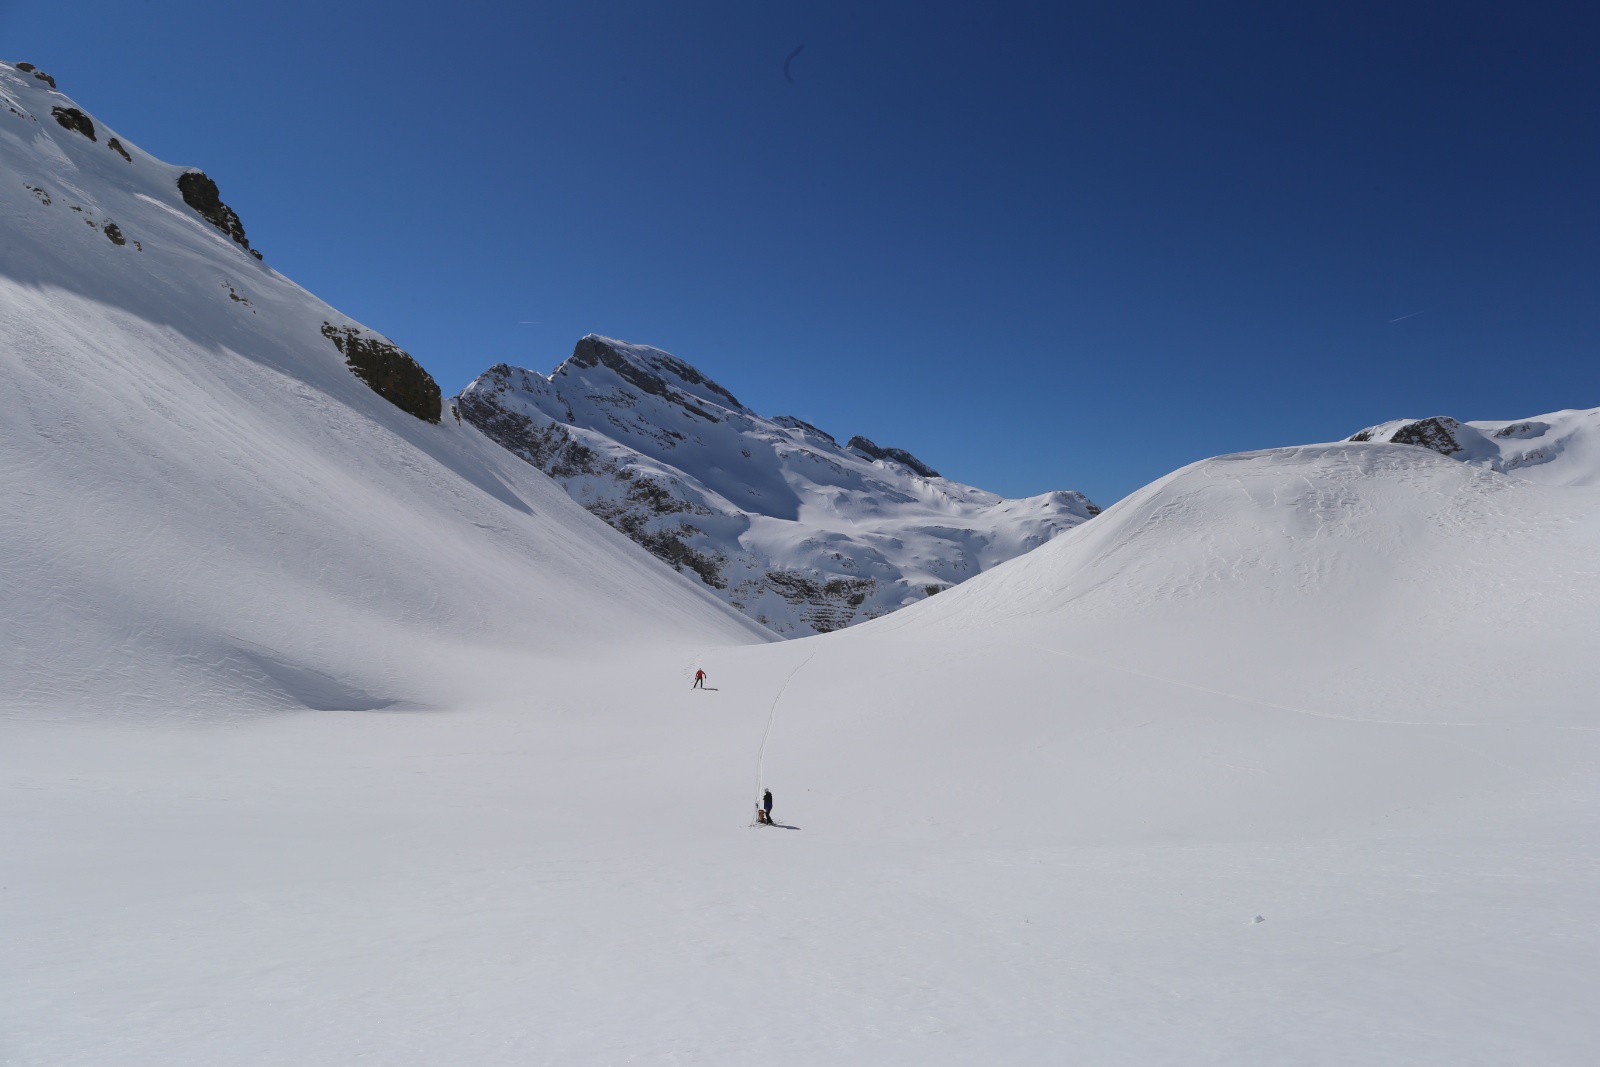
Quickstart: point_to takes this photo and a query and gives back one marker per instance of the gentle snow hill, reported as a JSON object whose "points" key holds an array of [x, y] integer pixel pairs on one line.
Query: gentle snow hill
{"points": [[207, 509], [775, 516], [1356, 585], [1561, 448]]}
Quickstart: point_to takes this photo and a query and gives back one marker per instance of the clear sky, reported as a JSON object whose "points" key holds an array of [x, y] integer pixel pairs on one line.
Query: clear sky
{"points": [[1052, 246]]}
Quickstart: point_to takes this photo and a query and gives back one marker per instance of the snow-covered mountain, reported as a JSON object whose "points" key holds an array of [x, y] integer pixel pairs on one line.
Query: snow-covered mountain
{"points": [[779, 519], [1561, 448], [222, 493]]}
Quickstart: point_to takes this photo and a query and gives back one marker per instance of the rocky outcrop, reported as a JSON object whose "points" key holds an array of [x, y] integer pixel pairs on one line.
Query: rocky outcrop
{"points": [[29, 68], [116, 146], [113, 233], [825, 605], [389, 370], [70, 118], [793, 423], [1439, 434], [893, 455], [201, 193]]}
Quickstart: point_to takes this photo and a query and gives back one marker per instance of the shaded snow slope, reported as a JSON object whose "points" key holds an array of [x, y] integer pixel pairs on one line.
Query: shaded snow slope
{"points": [[1561, 448], [801, 533], [207, 508]]}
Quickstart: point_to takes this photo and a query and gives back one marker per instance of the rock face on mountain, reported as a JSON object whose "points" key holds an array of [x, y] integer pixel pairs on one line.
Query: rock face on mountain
{"points": [[201, 193], [1562, 448], [783, 523], [388, 369], [71, 118]]}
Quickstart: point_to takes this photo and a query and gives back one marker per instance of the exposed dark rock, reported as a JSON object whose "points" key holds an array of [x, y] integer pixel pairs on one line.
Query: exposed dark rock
{"points": [[896, 455], [29, 68], [665, 543], [1436, 433], [592, 351], [44, 197], [201, 193], [116, 146], [801, 424], [551, 448], [389, 370], [1522, 430], [827, 606], [71, 118], [114, 233]]}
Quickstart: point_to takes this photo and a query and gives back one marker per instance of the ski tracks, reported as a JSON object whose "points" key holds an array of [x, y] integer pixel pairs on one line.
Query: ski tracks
{"points": [[772, 714]]}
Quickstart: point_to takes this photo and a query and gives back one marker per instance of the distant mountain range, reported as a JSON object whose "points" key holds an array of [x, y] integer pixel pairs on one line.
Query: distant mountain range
{"points": [[780, 520]]}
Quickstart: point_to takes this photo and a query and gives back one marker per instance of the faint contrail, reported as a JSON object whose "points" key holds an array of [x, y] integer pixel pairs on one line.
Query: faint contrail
{"points": [[1402, 318], [789, 60]]}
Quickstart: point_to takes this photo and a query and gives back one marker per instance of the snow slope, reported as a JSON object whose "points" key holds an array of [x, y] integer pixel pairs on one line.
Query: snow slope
{"points": [[1561, 448], [775, 516], [206, 510], [1287, 758]]}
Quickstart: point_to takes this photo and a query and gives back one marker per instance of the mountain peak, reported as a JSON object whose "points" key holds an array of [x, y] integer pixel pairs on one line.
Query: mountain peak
{"points": [[650, 369], [893, 455]]}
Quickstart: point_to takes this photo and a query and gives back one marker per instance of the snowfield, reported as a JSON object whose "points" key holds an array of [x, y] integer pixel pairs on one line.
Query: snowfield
{"points": [[330, 735]]}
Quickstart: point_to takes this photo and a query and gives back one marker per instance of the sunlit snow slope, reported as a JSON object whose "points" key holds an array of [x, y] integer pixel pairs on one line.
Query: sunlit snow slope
{"points": [[206, 509], [1349, 689], [1308, 589]]}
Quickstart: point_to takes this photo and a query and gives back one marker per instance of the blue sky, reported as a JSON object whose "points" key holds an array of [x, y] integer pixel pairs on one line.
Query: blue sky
{"points": [[1055, 246]]}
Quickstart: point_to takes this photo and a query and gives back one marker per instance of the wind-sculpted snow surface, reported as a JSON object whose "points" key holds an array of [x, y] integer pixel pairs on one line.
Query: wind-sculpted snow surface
{"points": [[206, 510], [1562, 448], [774, 515]]}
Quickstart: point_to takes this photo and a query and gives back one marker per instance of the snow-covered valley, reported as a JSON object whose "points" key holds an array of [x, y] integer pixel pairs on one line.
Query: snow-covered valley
{"points": [[332, 734]]}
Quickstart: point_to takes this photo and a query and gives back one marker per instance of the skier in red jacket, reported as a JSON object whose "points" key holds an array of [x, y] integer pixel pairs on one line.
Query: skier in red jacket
{"points": [[699, 680]]}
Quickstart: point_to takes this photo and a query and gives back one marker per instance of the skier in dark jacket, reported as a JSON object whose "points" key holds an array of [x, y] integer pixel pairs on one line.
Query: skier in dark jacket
{"points": [[766, 806], [699, 680]]}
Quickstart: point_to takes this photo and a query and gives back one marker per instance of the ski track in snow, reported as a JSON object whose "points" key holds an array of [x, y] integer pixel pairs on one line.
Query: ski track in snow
{"points": [[772, 714]]}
